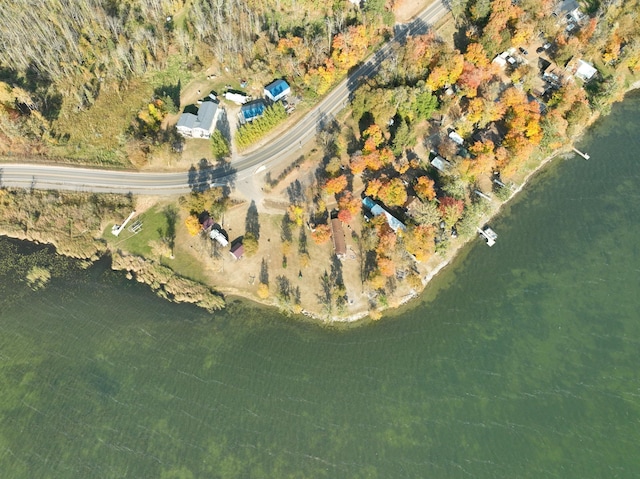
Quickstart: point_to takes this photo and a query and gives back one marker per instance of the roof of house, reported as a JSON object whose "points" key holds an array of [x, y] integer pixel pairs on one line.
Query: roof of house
{"points": [[187, 120], [455, 137], [206, 115], [207, 223], [567, 6], [253, 109], [441, 164], [543, 64], [219, 237], [585, 70], [492, 132], [205, 118], [277, 88], [237, 250], [394, 223], [339, 241]]}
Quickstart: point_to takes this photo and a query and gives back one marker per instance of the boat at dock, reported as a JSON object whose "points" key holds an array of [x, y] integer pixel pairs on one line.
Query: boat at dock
{"points": [[489, 235]]}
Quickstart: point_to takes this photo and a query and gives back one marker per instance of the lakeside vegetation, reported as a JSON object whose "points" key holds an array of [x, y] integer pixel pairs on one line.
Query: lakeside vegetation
{"points": [[487, 123]]}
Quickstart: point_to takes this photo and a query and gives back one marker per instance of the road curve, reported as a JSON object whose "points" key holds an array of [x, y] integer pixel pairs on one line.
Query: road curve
{"points": [[108, 181]]}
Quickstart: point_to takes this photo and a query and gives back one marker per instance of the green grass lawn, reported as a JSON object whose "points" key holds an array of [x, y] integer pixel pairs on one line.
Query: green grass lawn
{"points": [[154, 226], [187, 265]]}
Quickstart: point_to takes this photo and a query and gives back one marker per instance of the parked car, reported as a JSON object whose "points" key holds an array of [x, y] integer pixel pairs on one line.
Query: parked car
{"points": [[523, 51]]}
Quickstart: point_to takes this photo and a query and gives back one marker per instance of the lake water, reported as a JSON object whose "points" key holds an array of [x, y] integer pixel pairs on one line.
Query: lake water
{"points": [[520, 361]]}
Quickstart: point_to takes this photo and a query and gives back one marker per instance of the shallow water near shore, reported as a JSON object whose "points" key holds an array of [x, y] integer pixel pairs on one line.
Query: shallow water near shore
{"points": [[520, 360]]}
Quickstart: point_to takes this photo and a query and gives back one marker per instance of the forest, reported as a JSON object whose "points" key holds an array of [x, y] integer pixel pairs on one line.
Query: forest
{"points": [[77, 77]]}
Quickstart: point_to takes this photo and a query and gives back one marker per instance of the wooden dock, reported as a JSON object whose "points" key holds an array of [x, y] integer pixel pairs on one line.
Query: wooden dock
{"points": [[583, 155]]}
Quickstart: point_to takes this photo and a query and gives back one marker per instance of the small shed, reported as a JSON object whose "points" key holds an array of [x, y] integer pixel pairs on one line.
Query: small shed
{"points": [[339, 241], [441, 164], [237, 250], [277, 90]]}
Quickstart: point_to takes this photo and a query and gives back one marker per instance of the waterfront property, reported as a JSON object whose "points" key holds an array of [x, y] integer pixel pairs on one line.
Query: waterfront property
{"points": [[585, 71], [376, 209], [489, 235]]}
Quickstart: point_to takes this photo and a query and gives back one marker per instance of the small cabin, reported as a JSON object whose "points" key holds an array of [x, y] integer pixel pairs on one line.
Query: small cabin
{"points": [[339, 241], [237, 250]]}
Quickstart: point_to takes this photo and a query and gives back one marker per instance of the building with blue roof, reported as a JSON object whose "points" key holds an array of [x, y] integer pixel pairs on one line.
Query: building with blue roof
{"points": [[376, 210], [252, 110], [277, 90]]}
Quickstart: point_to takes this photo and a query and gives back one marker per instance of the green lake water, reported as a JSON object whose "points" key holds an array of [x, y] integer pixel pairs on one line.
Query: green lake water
{"points": [[519, 361]]}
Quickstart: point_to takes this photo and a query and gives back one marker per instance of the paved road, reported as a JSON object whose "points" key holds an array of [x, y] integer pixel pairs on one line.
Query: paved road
{"points": [[279, 150]]}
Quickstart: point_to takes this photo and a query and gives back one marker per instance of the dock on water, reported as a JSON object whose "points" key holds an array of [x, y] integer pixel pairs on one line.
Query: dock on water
{"points": [[489, 235], [583, 155]]}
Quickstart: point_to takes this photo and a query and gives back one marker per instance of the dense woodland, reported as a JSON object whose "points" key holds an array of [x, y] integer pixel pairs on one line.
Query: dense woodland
{"points": [[59, 58]]}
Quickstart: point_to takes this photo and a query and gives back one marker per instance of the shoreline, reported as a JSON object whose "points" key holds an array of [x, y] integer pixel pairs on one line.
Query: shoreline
{"points": [[230, 292], [455, 250]]}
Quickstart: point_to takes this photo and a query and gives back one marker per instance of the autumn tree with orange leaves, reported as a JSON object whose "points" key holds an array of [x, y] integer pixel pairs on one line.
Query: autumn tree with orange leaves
{"points": [[425, 188], [350, 203], [336, 185], [321, 234], [419, 241], [451, 210]]}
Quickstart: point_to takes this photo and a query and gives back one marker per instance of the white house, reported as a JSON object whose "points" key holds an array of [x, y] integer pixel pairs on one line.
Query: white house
{"points": [[277, 90], [457, 139], [568, 10], [219, 237], [441, 164], [200, 125], [585, 71]]}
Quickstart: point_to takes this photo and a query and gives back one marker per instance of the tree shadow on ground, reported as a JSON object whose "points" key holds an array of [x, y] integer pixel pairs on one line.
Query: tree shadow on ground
{"points": [[286, 234], [169, 91], [171, 215], [252, 221], [264, 272], [223, 125], [295, 192], [205, 176], [336, 272]]}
